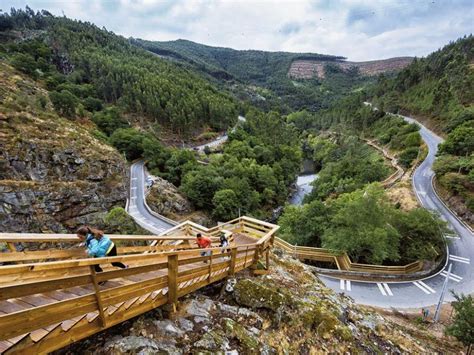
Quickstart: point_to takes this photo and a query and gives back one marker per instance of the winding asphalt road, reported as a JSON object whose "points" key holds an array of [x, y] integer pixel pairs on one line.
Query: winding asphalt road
{"points": [[137, 207], [220, 139], [424, 292], [420, 293]]}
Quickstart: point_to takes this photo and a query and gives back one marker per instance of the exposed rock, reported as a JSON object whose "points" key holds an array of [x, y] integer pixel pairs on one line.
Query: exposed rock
{"points": [[54, 173], [141, 345], [248, 341], [165, 199], [213, 341], [185, 324], [200, 307], [251, 294], [168, 327]]}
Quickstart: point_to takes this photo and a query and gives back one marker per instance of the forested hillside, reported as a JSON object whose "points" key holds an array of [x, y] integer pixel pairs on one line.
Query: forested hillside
{"points": [[346, 199], [86, 68], [262, 76], [439, 89]]}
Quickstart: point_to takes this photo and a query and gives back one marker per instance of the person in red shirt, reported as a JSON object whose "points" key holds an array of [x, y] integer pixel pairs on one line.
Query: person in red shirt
{"points": [[203, 243]]}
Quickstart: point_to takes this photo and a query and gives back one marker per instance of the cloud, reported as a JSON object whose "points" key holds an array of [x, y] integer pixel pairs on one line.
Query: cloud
{"points": [[357, 29]]}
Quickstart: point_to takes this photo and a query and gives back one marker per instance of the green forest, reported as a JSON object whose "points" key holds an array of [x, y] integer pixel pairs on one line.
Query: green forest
{"points": [[440, 88], [250, 73], [85, 69], [346, 199]]}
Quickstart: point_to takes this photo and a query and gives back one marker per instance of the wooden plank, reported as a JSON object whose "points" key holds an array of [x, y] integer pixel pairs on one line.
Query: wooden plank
{"points": [[42, 255], [68, 324], [4, 345], [98, 296], [20, 322], [31, 288], [130, 302], [124, 293], [109, 275], [172, 279]]}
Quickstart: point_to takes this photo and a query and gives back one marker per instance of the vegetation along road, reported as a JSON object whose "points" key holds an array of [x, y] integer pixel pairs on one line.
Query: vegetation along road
{"points": [[423, 292], [418, 293]]}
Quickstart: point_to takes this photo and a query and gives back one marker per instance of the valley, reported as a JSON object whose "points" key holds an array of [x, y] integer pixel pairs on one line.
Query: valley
{"points": [[363, 163]]}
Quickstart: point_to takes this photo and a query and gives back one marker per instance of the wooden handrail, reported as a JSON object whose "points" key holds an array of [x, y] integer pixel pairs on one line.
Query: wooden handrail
{"points": [[343, 261], [164, 276]]}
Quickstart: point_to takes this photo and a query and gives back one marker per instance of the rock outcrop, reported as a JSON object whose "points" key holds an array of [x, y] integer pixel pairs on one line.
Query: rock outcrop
{"points": [[165, 199], [54, 173]]}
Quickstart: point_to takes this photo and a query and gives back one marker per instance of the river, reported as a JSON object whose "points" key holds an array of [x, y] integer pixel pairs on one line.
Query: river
{"points": [[303, 187]]}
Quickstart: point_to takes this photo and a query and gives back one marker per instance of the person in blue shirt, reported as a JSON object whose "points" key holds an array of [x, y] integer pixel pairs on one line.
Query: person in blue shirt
{"points": [[98, 245]]}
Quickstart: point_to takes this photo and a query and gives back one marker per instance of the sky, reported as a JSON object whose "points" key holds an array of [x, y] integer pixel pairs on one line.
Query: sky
{"points": [[357, 29]]}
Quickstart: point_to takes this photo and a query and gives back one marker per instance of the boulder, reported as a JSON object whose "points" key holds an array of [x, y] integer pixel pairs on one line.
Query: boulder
{"points": [[141, 345], [255, 295]]}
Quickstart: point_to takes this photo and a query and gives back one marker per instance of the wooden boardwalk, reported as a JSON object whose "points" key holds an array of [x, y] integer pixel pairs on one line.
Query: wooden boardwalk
{"points": [[52, 298]]}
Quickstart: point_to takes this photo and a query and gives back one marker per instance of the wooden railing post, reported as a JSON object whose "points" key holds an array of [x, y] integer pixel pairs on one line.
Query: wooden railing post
{"points": [[256, 257], [11, 246], [210, 267], [233, 259], [173, 279], [97, 296], [267, 259]]}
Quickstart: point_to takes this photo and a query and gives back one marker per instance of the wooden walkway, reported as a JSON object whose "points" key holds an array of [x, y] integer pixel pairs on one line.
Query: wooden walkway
{"points": [[52, 298]]}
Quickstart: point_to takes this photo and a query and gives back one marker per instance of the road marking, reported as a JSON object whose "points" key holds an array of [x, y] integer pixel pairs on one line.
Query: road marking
{"points": [[423, 193], [382, 290], [459, 259], [345, 285], [425, 286], [134, 188], [389, 291], [134, 179], [421, 288], [451, 236], [451, 276]]}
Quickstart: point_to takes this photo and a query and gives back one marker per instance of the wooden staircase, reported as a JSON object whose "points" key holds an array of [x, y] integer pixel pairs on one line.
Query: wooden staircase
{"points": [[57, 300]]}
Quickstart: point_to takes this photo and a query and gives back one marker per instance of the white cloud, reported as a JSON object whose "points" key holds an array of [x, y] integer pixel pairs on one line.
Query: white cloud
{"points": [[357, 29]]}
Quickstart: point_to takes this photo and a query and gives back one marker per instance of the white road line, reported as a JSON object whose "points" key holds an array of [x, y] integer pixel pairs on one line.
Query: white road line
{"points": [[389, 291], [382, 290], [459, 259], [134, 188], [451, 237], [451, 276], [348, 284], [134, 179], [341, 284], [427, 287], [421, 287]]}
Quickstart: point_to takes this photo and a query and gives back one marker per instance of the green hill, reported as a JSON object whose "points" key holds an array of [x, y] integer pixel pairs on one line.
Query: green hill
{"points": [[263, 76], [87, 68], [439, 90]]}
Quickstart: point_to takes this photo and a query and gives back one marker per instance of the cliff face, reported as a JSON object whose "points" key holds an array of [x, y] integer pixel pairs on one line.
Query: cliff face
{"points": [[288, 311], [54, 174]]}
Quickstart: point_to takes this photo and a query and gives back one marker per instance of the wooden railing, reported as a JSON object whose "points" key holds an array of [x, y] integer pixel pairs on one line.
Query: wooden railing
{"points": [[40, 302], [343, 262]]}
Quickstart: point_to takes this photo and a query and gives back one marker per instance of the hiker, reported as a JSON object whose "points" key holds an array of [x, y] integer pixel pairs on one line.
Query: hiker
{"points": [[98, 245], [203, 243], [223, 243]]}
